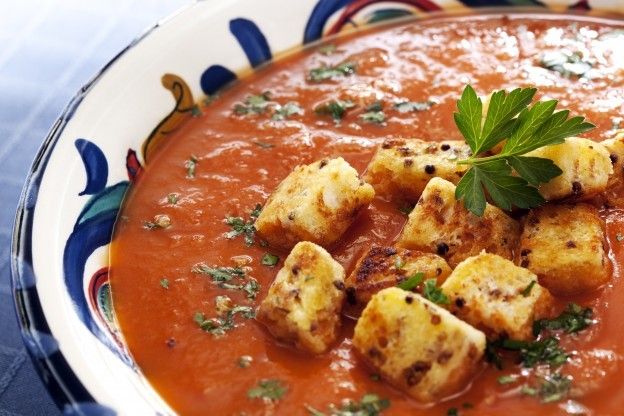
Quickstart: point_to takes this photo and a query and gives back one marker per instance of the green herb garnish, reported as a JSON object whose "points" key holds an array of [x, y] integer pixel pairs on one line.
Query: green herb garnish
{"points": [[267, 389], [329, 72], [374, 117], [270, 259], [567, 64], [164, 283], [242, 227], [412, 282], [527, 290], [221, 324], [433, 293], [285, 111], [452, 412], [508, 379], [172, 198], [369, 405], [573, 319], [191, 166], [254, 104], [264, 145], [219, 274], [619, 237], [551, 388], [335, 108], [524, 129], [545, 351], [411, 106]]}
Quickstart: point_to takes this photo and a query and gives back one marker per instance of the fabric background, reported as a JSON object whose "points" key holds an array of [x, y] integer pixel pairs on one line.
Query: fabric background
{"points": [[48, 50]]}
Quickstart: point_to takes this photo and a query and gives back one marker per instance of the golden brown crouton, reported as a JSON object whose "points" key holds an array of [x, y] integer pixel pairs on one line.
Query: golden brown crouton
{"points": [[564, 246], [382, 267], [401, 169], [304, 302], [316, 203], [615, 146], [496, 296], [441, 224], [586, 169], [416, 345]]}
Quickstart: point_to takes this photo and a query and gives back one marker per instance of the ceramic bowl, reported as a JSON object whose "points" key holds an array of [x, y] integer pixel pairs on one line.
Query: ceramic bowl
{"points": [[96, 149]]}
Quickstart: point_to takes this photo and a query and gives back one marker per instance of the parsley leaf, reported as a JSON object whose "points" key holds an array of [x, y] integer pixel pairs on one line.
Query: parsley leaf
{"points": [[329, 72], [434, 293], [412, 282], [242, 227], [545, 351], [285, 111], [270, 259], [254, 104], [164, 283], [508, 177], [573, 319], [526, 292], [220, 325], [335, 108], [411, 106], [191, 165], [373, 117], [370, 405], [267, 389], [219, 274], [552, 388]]}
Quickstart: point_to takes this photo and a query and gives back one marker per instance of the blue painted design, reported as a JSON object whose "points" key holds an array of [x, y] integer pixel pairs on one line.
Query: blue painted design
{"points": [[93, 229], [87, 409], [252, 40], [214, 78], [381, 15], [95, 165], [321, 12], [40, 344]]}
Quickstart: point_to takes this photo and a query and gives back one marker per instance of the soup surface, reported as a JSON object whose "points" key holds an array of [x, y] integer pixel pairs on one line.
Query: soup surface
{"points": [[242, 155]]}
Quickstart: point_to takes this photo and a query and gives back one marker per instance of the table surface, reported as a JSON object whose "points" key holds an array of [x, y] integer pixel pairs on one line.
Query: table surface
{"points": [[49, 49]]}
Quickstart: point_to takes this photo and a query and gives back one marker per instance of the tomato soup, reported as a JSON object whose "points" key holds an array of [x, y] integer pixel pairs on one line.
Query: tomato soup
{"points": [[227, 160]]}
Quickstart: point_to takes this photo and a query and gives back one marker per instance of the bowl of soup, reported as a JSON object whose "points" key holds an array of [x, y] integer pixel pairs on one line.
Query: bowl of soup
{"points": [[336, 208]]}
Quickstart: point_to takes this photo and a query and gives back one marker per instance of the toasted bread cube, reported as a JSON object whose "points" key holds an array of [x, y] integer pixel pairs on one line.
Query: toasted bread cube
{"points": [[493, 294], [586, 169], [382, 267], [441, 224], [316, 203], [564, 245], [401, 169], [615, 147], [305, 299], [418, 346]]}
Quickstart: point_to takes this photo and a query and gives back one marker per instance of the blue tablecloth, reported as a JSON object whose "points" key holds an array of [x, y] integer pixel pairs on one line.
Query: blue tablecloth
{"points": [[48, 50]]}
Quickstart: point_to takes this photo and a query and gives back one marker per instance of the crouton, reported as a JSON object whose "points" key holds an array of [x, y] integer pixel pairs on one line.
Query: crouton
{"points": [[382, 267], [401, 169], [564, 246], [493, 294], [304, 301], [615, 147], [316, 203], [416, 345], [586, 169], [440, 224]]}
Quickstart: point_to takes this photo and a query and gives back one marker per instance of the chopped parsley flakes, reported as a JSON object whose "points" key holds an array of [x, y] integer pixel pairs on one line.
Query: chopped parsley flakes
{"points": [[433, 293], [526, 292], [546, 351], [164, 283], [224, 275], [242, 227], [172, 198], [567, 64], [286, 111], [191, 166], [270, 259], [573, 319], [369, 405], [254, 104], [412, 106], [330, 72], [270, 390], [551, 388], [221, 324], [412, 282], [335, 108]]}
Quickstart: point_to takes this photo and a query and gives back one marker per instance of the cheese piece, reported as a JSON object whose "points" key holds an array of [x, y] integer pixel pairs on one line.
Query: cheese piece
{"points": [[304, 301], [418, 346], [496, 296], [564, 245], [440, 224], [316, 203]]}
